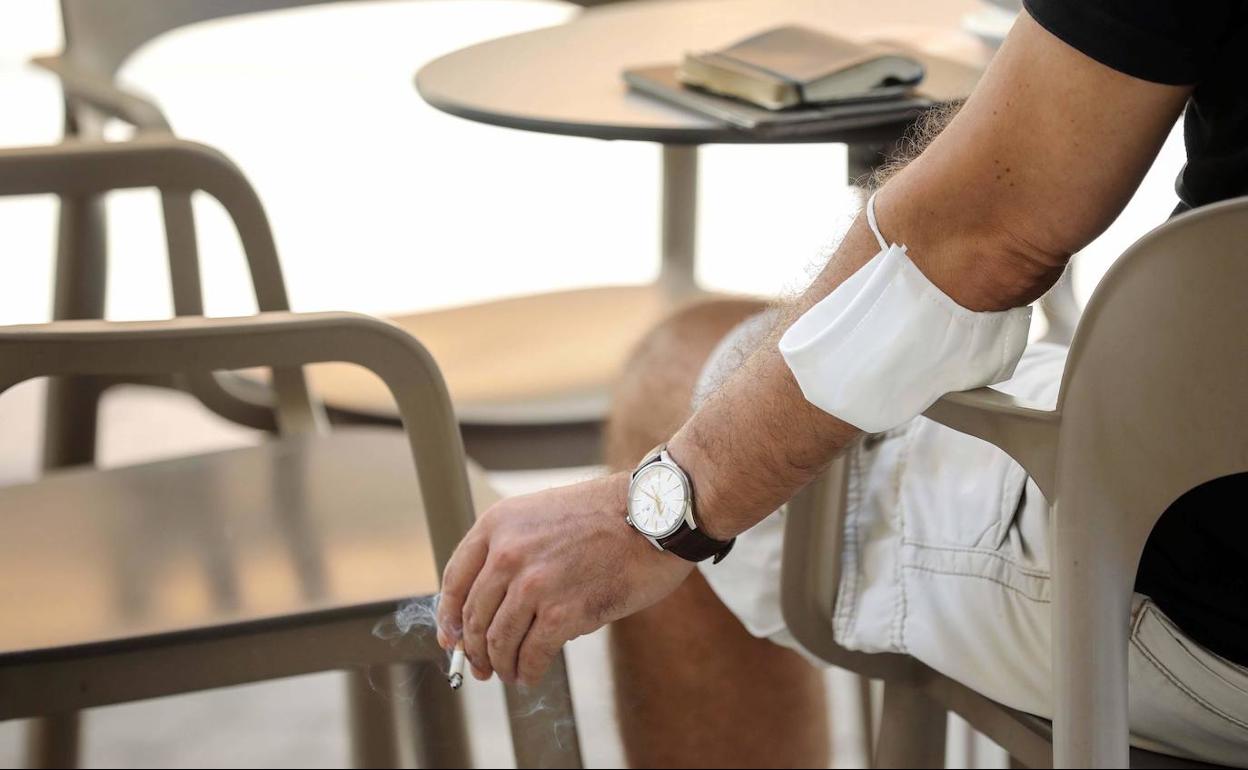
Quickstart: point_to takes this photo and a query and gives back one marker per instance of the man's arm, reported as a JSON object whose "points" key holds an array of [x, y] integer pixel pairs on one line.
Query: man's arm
{"points": [[1039, 161]]}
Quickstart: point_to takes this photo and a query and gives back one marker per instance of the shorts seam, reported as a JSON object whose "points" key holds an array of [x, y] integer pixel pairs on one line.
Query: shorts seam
{"points": [[1212, 672], [847, 592], [1028, 571], [1167, 627], [903, 458], [989, 578], [1191, 694]]}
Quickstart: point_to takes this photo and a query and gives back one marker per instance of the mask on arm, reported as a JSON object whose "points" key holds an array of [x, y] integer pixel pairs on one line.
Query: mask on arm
{"points": [[887, 343]]}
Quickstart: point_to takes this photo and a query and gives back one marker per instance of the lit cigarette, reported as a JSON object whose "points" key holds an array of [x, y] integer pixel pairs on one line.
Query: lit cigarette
{"points": [[456, 674]]}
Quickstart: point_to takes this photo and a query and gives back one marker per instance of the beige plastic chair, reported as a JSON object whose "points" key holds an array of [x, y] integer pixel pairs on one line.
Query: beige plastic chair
{"points": [[1153, 402], [242, 565], [525, 397]]}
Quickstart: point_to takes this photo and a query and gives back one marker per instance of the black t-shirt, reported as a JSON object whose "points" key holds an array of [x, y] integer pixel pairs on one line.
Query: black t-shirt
{"points": [[1193, 42], [1195, 566]]}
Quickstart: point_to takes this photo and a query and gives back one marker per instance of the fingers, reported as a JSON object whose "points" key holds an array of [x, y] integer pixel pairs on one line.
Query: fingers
{"points": [[457, 579], [482, 604], [507, 632], [546, 637]]}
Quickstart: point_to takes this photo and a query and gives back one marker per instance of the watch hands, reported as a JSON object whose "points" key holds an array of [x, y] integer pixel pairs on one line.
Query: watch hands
{"points": [[658, 501]]}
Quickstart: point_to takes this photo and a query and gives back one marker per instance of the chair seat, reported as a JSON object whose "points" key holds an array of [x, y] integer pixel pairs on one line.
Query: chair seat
{"points": [[546, 358], [273, 532]]}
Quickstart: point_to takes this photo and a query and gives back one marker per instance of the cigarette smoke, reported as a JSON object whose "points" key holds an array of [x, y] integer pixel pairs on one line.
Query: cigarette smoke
{"points": [[414, 619], [417, 618]]}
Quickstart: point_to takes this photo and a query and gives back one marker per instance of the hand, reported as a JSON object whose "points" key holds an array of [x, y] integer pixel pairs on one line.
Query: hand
{"points": [[537, 571]]}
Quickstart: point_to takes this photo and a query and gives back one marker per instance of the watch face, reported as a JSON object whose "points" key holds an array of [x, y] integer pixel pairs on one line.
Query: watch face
{"points": [[657, 500]]}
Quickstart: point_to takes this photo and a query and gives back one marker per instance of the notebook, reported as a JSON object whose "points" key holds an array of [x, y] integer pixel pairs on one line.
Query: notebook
{"points": [[661, 83], [945, 81], [791, 66]]}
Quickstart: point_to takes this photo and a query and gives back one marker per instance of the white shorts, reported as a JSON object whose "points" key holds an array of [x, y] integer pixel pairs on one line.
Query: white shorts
{"points": [[946, 559]]}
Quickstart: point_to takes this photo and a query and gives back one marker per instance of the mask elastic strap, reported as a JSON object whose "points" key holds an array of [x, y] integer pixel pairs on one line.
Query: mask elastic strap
{"points": [[871, 222]]}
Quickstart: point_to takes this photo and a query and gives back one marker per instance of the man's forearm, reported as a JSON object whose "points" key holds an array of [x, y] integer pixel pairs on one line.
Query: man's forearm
{"points": [[757, 440]]}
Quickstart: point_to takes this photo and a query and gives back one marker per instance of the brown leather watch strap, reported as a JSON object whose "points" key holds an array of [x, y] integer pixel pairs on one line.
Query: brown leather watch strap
{"points": [[691, 545]]}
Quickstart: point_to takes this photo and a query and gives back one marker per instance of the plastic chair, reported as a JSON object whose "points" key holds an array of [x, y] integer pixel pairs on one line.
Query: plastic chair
{"points": [[1162, 349], [526, 398], [242, 565]]}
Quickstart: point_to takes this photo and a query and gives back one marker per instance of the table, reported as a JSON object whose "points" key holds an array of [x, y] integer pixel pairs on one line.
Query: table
{"points": [[567, 80]]}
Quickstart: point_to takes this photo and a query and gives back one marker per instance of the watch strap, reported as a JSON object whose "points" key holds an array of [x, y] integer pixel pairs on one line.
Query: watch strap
{"points": [[691, 545]]}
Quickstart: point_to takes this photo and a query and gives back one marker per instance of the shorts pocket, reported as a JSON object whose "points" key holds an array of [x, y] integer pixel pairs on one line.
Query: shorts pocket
{"points": [[958, 491], [1214, 689]]}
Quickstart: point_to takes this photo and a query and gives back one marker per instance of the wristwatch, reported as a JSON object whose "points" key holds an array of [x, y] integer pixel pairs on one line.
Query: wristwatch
{"points": [[660, 507]]}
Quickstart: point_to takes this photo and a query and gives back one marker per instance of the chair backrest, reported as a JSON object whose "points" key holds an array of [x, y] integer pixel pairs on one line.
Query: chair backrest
{"points": [[1154, 398], [1154, 402]]}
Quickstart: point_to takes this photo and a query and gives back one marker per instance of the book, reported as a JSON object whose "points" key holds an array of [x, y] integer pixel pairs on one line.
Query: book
{"points": [[791, 66], [945, 81], [661, 82]]}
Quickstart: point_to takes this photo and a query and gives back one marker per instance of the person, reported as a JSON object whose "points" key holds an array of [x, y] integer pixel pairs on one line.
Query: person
{"points": [[946, 555]]}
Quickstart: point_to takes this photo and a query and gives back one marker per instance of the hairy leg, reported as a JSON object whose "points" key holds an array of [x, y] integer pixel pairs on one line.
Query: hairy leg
{"points": [[693, 687]]}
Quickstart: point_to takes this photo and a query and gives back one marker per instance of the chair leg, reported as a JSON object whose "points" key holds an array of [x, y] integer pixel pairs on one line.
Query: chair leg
{"points": [[970, 744], [70, 412], [543, 725], [52, 741], [866, 709], [78, 293], [373, 735], [440, 738], [71, 408], [912, 729]]}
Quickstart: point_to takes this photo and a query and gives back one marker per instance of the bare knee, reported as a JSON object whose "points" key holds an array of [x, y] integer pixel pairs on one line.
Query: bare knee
{"points": [[652, 397]]}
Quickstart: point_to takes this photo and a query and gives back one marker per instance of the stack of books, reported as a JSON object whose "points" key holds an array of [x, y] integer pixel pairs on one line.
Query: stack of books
{"points": [[793, 80]]}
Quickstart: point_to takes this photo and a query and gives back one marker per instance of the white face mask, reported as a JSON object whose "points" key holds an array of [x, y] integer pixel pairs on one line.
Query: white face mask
{"points": [[887, 343]]}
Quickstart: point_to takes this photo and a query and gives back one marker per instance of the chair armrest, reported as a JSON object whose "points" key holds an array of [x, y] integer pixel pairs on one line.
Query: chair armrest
{"points": [[1022, 430], [283, 339], [104, 95]]}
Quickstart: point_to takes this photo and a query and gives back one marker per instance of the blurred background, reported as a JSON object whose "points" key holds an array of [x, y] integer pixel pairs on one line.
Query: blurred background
{"points": [[382, 204]]}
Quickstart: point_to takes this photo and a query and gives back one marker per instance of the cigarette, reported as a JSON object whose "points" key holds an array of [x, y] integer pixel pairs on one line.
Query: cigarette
{"points": [[456, 673]]}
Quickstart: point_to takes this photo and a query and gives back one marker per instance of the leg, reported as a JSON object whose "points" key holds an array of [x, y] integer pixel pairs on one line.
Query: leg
{"points": [[912, 729], [52, 741], [543, 726], [72, 403], [866, 708], [693, 687], [70, 411], [373, 734], [437, 719], [680, 220]]}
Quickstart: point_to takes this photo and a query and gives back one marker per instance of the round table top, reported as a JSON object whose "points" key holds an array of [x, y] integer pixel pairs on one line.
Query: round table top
{"points": [[567, 79]]}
